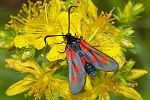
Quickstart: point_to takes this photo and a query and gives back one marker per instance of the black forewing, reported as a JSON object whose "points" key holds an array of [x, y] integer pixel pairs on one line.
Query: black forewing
{"points": [[77, 73], [98, 59]]}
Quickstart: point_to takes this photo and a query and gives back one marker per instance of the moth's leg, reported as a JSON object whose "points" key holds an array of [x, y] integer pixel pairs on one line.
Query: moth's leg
{"points": [[63, 51], [81, 37], [96, 46]]}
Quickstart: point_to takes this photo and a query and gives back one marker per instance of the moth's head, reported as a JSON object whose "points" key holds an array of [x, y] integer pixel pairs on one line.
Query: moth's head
{"points": [[68, 36], [70, 39]]}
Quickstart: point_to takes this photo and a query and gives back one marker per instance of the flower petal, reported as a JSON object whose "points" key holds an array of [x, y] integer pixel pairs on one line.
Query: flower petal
{"points": [[57, 88], [29, 66], [29, 39], [74, 22], [20, 41], [55, 40], [39, 43], [55, 8], [92, 9], [105, 96], [55, 53], [88, 85], [128, 92], [20, 86], [137, 73]]}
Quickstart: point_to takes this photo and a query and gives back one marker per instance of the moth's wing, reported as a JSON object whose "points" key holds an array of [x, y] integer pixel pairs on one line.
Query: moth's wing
{"points": [[77, 74], [98, 59]]}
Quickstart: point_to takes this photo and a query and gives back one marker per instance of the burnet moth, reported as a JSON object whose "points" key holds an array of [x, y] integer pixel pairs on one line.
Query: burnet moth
{"points": [[83, 58]]}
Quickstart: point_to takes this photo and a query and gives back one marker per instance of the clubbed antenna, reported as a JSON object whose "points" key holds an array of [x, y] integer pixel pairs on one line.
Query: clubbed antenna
{"points": [[69, 17], [68, 25]]}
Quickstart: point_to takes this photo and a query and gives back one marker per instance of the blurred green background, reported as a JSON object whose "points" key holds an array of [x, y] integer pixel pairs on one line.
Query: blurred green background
{"points": [[141, 56]]}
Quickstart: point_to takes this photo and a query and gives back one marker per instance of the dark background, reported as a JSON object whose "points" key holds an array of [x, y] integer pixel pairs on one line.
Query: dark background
{"points": [[142, 38]]}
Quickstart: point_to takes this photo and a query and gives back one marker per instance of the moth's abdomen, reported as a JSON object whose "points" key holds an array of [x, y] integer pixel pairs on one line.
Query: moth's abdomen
{"points": [[90, 69], [88, 66]]}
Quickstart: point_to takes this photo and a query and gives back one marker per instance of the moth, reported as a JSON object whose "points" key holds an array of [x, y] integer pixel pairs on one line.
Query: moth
{"points": [[83, 59]]}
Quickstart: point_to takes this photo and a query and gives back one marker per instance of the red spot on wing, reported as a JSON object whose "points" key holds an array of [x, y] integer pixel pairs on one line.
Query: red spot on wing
{"points": [[73, 66], [94, 52], [74, 78], [78, 68], [94, 60], [83, 60], [85, 43], [103, 59], [84, 46], [70, 54]]}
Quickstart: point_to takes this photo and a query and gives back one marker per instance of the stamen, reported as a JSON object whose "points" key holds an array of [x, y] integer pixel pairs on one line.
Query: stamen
{"points": [[93, 34]]}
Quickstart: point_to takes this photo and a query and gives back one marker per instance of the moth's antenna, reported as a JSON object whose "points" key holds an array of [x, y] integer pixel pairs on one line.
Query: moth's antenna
{"points": [[69, 17], [68, 25], [51, 36]]}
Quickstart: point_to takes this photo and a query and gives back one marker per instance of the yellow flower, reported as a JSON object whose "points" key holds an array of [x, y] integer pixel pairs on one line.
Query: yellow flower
{"points": [[34, 22], [37, 20], [39, 82]]}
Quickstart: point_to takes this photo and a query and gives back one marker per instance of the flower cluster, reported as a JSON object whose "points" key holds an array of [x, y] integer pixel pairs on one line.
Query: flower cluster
{"points": [[47, 68]]}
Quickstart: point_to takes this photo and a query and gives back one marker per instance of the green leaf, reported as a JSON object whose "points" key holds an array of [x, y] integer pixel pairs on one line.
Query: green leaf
{"points": [[6, 38], [61, 73], [129, 14]]}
